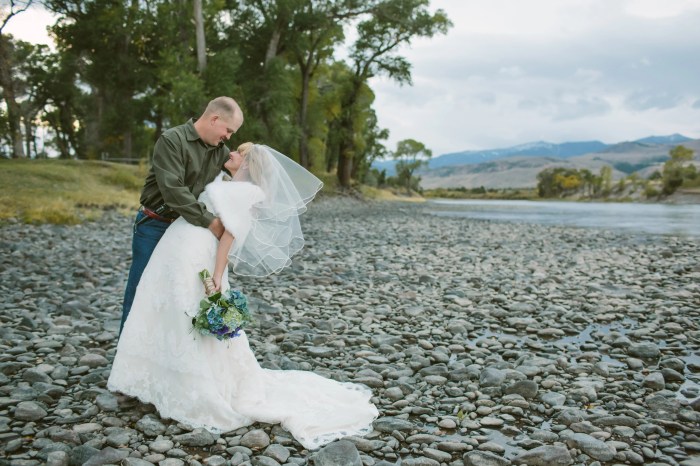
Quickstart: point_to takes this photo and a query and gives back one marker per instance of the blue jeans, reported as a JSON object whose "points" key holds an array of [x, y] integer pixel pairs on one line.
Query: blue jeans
{"points": [[146, 237]]}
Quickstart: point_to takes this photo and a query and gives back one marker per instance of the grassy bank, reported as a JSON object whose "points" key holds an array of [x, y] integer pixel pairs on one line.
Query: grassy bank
{"points": [[520, 194], [66, 191], [73, 191]]}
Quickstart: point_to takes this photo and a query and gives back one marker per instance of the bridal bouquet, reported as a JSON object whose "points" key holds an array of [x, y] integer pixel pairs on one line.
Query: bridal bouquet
{"points": [[221, 315]]}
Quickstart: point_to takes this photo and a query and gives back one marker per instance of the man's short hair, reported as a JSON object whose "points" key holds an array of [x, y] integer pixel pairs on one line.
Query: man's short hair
{"points": [[224, 106]]}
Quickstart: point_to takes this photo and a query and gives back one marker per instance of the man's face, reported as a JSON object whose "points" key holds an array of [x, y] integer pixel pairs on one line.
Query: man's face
{"points": [[221, 129]]}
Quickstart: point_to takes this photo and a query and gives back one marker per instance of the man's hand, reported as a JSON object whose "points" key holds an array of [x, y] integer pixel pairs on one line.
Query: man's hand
{"points": [[216, 227]]}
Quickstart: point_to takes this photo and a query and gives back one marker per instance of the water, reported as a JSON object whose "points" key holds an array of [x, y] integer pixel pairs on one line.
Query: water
{"points": [[660, 219]]}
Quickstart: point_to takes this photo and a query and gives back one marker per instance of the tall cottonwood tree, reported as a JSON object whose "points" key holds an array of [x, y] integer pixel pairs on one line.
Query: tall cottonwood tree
{"points": [[375, 52], [7, 81]]}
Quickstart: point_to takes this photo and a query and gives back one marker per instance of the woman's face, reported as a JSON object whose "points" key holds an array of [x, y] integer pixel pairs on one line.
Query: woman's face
{"points": [[234, 162]]}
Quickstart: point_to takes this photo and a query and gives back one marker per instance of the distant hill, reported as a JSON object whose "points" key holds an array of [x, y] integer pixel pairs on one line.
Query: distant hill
{"points": [[672, 139], [521, 171], [538, 149]]}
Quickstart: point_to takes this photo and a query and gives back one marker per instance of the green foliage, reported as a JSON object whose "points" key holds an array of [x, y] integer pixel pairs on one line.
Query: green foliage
{"points": [[410, 155], [66, 191], [678, 169], [124, 71]]}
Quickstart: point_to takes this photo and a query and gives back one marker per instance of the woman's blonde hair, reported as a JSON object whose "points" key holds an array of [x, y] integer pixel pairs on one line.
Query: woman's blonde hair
{"points": [[255, 160]]}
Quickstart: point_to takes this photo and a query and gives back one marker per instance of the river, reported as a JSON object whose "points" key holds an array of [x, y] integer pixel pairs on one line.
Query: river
{"points": [[660, 219]]}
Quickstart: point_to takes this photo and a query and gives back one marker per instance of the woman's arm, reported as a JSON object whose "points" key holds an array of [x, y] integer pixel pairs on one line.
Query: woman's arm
{"points": [[222, 258]]}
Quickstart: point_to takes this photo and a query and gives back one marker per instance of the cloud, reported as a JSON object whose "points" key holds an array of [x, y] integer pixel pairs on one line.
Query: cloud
{"points": [[696, 104], [572, 107], [510, 72], [645, 100]]}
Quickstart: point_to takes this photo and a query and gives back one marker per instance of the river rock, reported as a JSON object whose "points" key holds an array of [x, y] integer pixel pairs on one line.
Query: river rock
{"points": [[644, 350], [484, 458], [29, 411], [546, 455], [593, 447], [339, 453]]}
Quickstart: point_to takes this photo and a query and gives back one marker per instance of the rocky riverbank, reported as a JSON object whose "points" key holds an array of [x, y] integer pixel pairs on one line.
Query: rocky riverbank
{"points": [[484, 343]]}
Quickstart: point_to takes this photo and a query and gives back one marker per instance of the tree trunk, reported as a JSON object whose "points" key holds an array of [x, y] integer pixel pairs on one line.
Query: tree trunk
{"points": [[201, 43], [272, 45], [128, 143], [303, 108], [14, 113], [29, 135]]}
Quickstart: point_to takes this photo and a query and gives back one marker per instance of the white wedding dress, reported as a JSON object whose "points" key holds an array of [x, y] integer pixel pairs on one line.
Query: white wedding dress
{"points": [[219, 385]]}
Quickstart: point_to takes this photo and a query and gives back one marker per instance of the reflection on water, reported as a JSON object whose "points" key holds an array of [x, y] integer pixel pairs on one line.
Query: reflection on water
{"points": [[683, 220]]}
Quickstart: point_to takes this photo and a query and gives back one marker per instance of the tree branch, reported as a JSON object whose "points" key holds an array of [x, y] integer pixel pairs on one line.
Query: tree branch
{"points": [[22, 6]]}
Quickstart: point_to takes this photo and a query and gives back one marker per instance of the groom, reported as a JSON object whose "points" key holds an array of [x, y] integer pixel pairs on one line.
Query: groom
{"points": [[185, 159]]}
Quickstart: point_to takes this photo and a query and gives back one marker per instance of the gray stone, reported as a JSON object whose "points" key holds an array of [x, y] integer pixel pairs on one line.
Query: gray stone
{"points": [[492, 377], [596, 449], [197, 438], [420, 461], [29, 411], [93, 360], [171, 462], [654, 381], [215, 460], [644, 350], [33, 375], [58, 458], [365, 445], [484, 458], [107, 402], [255, 439], [118, 439], [546, 455], [80, 455], [390, 424], [150, 426], [263, 461], [321, 351], [161, 446], [135, 462], [437, 455], [277, 452], [108, 455], [394, 393], [525, 388], [671, 375], [663, 408], [553, 398], [339, 453]]}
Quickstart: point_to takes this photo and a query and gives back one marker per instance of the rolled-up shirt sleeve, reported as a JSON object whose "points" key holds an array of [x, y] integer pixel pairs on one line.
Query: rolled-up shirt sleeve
{"points": [[169, 169]]}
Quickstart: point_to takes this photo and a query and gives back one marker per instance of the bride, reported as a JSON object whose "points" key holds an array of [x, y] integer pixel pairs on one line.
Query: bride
{"points": [[218, 385]]}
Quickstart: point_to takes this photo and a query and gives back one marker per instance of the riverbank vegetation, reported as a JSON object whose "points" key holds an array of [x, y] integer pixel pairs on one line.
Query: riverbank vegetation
{"points": [[66, 191], [678, 172]]}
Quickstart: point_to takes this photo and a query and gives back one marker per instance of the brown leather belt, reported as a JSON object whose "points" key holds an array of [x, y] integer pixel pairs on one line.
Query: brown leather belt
{"points": [[149, 213]]}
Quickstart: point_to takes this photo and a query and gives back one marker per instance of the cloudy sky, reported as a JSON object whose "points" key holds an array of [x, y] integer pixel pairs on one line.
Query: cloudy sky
{"points": [[516, 71]]}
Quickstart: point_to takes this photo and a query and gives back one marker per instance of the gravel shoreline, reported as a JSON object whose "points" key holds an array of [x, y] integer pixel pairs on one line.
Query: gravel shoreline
{"points": [[484, 343]]}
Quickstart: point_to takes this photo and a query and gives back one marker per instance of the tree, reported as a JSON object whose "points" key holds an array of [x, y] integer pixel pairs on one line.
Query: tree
{"points": [[410, 155], [392, 23], [201, 41], [606, 179], [677, 169], [8, 82]]}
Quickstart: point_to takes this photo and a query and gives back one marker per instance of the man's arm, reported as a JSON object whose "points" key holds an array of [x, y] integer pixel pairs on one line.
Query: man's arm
{"points": [[169, 169]]}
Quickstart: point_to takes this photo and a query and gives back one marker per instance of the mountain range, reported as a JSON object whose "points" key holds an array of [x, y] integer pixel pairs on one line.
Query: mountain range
{"points": [[517, 166]]}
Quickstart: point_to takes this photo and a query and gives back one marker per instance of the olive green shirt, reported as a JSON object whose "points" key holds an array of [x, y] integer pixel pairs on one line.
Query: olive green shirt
{"points": [[182, 165]]}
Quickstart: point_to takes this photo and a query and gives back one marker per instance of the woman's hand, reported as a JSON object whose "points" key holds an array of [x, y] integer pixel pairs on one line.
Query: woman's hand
{"points": [[217, 283]]}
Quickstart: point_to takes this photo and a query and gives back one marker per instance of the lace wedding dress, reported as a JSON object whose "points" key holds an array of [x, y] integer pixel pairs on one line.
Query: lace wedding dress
{"points": [[219, 385]]}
